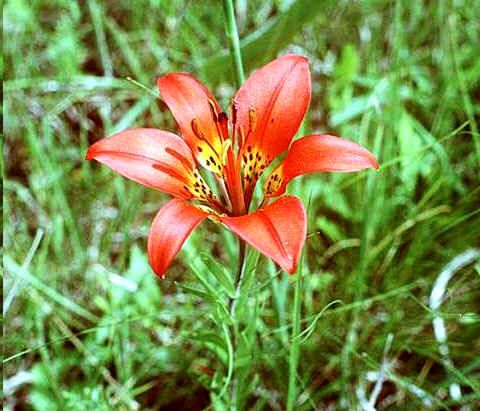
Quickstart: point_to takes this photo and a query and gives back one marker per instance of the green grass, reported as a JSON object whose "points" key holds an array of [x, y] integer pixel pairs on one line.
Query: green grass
{"points": [[89, 326]]}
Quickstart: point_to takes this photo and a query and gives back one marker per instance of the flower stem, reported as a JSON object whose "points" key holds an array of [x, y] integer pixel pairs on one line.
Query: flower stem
{"points": [[239, 276], [233, 41], [236, 54], [233, 331], [294, 343]]}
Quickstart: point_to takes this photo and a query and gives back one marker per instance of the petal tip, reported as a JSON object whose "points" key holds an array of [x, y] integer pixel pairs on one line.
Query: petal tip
{"points": [[291, 269], [90, 155], [169, 76], [295, 56], [163, 80]]}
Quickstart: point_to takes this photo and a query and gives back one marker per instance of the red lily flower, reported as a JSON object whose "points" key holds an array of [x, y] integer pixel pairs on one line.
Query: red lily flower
{"points": [[265, 115]]}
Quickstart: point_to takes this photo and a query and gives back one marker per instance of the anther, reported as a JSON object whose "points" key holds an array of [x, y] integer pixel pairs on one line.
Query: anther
{"points": [[252, 118], [234, 112], [213, 109], [222, 117], [223, 124], [196, 130], [241, 137]]}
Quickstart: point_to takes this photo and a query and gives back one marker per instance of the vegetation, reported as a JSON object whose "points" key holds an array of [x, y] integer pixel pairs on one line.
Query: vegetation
{"points": [[88, 326]]}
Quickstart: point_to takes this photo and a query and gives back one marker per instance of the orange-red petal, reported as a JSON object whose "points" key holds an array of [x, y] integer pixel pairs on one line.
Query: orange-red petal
{"points": [[194, 108], [318, 153], [278, 230], [170, 228], [272, 103], [154, 158]]}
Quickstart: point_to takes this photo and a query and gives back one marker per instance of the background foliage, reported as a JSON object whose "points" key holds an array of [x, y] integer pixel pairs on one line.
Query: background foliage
{"points": [[86, 323]]}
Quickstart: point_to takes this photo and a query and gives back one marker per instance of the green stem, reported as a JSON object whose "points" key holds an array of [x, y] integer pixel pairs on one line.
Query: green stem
{"points": [[233, 329], [239, 276], [294, 344], [233, 41], [235, 52]]}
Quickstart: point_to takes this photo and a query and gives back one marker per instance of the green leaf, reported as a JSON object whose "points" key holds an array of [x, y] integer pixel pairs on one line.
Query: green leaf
{"points": [[221, 273], [197, 292], [211, 338]]}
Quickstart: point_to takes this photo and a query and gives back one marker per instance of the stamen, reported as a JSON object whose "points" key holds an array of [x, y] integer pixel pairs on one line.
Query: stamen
{"points": [[234, 112], [241, 138], [196, 130], [223, 125], [171, 172], [187, 164], [213, 109], [252, 118], [198, 133], [234, 109]]}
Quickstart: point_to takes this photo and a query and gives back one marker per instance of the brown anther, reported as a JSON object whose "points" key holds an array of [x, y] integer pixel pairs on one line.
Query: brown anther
{"points": [[234, 112], [252, 119], [196, 130], [241, 137], [222, 117], [213, 109], [223, 124]]}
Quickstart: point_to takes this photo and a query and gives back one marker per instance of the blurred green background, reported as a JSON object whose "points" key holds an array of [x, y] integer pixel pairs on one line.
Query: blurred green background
{"points": [[87, 325]]}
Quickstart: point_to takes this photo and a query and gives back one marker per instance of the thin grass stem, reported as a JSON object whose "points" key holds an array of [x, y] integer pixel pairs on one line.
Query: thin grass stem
{"points": [[233, 41]]}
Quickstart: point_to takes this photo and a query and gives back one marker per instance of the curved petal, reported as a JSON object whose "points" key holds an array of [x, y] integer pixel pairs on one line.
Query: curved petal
{"points": [[318, 153], [197, 114], [170, 228], [154, 158], [272, 103], [278, 230]]}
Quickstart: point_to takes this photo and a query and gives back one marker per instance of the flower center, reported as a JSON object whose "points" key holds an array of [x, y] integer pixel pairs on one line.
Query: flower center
{"points": [[235, 167]]}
